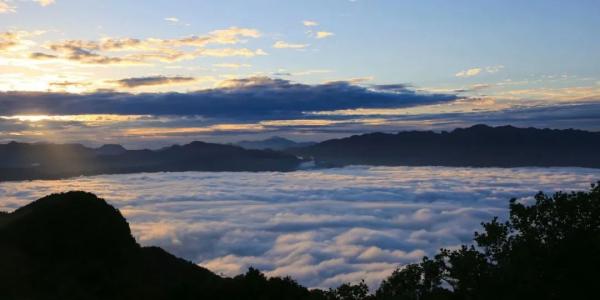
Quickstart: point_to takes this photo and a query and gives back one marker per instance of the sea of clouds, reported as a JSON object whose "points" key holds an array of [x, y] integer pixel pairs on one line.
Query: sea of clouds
{"points": [[322, 227]]}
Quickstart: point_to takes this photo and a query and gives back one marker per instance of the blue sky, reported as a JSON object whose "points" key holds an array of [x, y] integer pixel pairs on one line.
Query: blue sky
{"points": [[491, 57]]}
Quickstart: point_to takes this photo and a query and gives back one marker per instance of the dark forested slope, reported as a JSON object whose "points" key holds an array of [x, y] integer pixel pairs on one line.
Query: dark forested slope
{"points": [[22, 161], [273, 143], [477, 146]]}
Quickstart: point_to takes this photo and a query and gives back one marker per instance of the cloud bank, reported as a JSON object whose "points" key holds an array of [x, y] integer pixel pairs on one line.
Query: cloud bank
{"points": [[242, 99], [143, 131], [323, 227]]}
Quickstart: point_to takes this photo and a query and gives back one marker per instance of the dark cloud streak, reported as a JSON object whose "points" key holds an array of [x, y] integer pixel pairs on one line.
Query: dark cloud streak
{"points": [[244, 99], [152, 81]]}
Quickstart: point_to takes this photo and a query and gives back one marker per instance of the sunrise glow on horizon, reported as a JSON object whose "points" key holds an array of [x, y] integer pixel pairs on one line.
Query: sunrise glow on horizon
{"points": [[309, 70]]}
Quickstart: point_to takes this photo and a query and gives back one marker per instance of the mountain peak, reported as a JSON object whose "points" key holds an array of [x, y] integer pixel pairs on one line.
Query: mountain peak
{"points": [[110, 149], [273, 143], [279, 138], [76, 246], [72, 224]]}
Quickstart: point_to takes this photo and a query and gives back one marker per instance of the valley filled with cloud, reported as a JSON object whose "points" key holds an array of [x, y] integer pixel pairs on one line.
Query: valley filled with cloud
{"points": [[322, 227]]}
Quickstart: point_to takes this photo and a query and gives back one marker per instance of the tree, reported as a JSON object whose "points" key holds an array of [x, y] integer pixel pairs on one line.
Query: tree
{"points": [[348, 291], [547, 250]]}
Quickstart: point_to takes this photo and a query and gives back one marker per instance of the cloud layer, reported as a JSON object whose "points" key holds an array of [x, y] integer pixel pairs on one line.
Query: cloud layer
{"points": [[108, 51], [241, 99], [323, 227], [142, 131]]}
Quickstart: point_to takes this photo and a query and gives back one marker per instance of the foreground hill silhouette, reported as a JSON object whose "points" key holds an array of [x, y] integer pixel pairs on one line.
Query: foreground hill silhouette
{"points": [[22, 161], [76, 246], [477, 146]]}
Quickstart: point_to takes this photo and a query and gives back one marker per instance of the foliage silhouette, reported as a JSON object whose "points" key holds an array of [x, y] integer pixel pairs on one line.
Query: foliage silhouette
{"points": [[348, 291], [547, 250]]}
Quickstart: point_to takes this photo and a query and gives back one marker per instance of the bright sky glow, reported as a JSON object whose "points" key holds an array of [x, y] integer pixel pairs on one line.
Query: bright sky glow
{"points": [[496, 56]]}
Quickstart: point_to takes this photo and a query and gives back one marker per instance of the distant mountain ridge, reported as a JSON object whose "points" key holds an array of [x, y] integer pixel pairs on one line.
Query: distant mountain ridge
{"points": [[22, 161], [273, 143], [110, 149], [476, 146]]}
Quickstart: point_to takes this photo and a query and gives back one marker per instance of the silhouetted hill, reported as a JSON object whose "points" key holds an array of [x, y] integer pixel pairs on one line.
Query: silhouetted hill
{"points": [[273, 143], [22, 161], [477, 146], [110, 149], [76, 246]]}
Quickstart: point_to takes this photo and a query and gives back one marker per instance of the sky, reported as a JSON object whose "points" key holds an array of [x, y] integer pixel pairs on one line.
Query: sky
{"points": [[153, 73]]}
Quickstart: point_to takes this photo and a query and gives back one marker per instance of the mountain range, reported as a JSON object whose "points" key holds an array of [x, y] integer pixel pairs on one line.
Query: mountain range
{"points": [[273, 143], [22, 161], [476, 146]]}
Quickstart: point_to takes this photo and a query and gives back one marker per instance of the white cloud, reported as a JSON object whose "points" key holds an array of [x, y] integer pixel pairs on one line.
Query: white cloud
{"points": [[150, 50], [310, 72], [494, 69], [232, 65], [45, 2], [309, 23], [6, 7], [324, 34], [17, 41], [477, 71], [323, 227], [285, 45], [172, 20], [469, 73]]}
